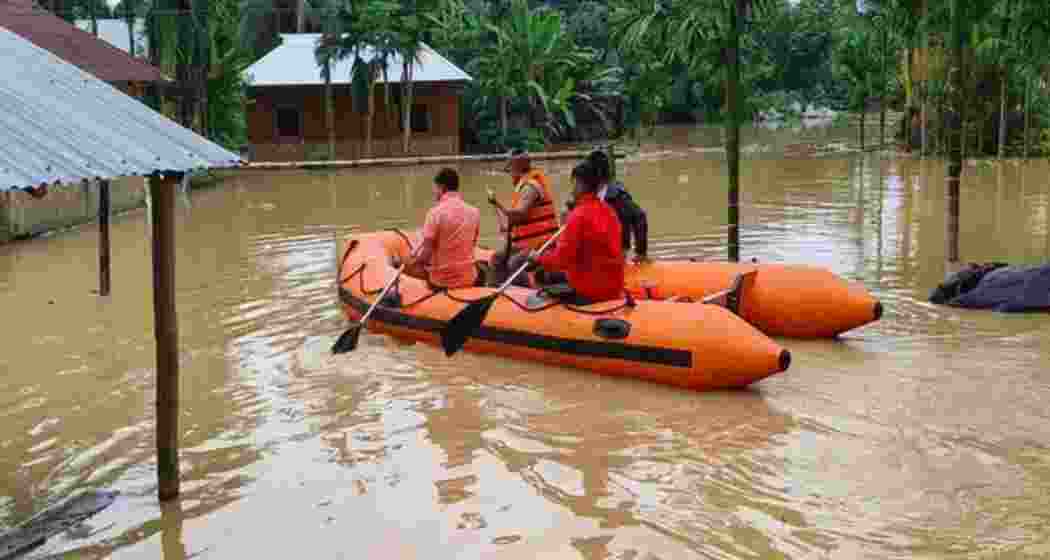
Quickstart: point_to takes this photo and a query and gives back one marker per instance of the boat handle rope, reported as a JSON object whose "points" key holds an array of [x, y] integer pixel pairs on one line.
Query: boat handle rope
{"points": [[357, 272]]}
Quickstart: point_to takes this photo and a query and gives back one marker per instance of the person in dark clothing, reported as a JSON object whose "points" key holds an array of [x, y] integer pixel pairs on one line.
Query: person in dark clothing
{"points": [[633, 220]]}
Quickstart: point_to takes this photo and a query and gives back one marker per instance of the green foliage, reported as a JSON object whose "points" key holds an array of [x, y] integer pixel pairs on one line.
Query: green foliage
{"points": [[226, 89]]}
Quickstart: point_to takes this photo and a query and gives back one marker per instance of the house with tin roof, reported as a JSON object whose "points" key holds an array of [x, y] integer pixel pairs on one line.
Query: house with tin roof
{"points": [[286, 113], [82, 49]]}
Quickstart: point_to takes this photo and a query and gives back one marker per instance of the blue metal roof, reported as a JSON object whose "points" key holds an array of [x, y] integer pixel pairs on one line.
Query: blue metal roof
{"points": [[59, 124], [293, 63]]}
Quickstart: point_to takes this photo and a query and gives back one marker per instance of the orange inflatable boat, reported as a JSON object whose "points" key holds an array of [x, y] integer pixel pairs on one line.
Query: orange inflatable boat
{"points": [[793, 301], [699, 346]]}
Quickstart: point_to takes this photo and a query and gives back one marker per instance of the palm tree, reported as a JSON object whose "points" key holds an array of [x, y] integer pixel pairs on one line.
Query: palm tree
{"points": [[362, 32], [409, 28]]}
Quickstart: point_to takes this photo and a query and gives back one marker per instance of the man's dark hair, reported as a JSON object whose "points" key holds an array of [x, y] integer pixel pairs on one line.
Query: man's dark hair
{"points": [[448, 178], [587, 174], [600, 161]]}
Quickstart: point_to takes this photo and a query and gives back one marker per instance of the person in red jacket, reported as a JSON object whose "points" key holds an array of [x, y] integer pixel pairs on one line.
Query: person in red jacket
{"points": [[590, 250]]}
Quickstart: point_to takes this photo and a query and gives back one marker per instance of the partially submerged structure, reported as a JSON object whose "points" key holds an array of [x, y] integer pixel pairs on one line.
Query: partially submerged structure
{"points": [[60, 125], [286, 113]]}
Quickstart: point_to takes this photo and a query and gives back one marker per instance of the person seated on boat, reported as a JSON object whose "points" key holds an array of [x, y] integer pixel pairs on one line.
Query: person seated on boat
{"points": [[445, 257], [590, 250], [633, 220], [530, 221]]}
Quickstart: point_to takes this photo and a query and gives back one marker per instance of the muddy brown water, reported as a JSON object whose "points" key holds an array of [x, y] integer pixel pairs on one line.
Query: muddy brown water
{"points": [[922, 436]]}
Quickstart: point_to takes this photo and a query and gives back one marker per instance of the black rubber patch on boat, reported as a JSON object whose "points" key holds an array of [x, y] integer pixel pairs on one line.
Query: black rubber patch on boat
{"points": [[614, 350], [612, 328]]}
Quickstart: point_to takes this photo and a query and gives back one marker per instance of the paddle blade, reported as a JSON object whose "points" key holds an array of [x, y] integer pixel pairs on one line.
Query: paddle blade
{"points": [[460, 327], [347, 341]]}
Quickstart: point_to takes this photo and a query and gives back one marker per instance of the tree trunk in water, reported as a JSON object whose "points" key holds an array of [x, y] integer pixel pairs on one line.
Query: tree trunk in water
{"points": [[733, 128], [1002, 91], [882, 92], [406, 105], [1027, 113], [955, 155], [863, 114], [329, 108]]}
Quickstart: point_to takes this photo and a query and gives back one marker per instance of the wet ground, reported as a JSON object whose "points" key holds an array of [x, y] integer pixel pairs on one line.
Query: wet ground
{"points": [[925, 435]]}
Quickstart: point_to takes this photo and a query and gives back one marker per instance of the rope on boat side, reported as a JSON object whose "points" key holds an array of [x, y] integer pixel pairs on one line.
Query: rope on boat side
{"points": [[523, 307]]}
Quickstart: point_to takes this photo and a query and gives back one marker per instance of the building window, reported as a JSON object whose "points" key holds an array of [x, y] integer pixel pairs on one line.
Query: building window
{"points": [[289, 124], [420, 118]]}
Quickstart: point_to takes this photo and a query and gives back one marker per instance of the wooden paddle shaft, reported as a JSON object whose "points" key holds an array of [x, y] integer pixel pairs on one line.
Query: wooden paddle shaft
{"points": [[388, 285], [524, 266]]}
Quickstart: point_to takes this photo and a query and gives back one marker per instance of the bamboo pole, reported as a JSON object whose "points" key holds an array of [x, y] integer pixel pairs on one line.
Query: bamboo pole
{"points": [[882, 89], [736, 11], [162, 194], [103, 238], [955, 156], [1027, 113]]}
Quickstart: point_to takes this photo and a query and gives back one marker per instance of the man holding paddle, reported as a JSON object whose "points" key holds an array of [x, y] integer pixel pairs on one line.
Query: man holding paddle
{"points": [[531, 220], [589, 251]]}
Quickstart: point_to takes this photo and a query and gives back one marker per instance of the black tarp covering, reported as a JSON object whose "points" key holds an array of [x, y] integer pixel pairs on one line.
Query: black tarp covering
{"points": [[996, 286]]}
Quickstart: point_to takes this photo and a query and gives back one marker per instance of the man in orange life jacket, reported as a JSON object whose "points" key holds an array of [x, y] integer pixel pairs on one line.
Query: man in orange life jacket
{"points": [[531, 219]]}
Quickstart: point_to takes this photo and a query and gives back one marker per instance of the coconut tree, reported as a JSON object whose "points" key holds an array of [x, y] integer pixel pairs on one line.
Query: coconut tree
{"points": [[409, 27], [362, 33]]}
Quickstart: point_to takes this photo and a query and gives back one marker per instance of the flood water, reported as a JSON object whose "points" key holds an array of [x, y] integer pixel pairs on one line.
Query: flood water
{"points": [[925, 435]]}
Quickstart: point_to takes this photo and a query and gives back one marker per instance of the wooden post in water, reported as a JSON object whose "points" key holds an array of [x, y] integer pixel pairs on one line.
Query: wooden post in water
{"points": [[955, 139], [736, 12], [882, 89], [103, 238], [165, 321]]}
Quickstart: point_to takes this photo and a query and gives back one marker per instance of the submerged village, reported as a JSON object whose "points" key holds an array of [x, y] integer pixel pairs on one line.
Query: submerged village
{"points": [[528, 278]]}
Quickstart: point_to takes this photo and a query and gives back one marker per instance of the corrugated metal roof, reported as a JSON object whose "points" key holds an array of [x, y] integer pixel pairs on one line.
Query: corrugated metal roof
{"points": [[115, 32], [60, 124], [83, 49], [293, 64]]}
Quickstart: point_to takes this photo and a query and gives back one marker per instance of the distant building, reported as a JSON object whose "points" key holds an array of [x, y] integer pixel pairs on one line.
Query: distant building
{"points": [[286, 114], [115, 32], [82, 49]]}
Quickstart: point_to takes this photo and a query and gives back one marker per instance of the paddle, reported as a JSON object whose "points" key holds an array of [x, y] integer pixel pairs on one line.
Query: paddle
{"points": [[470, 318], [502, 264], [347, 341]]}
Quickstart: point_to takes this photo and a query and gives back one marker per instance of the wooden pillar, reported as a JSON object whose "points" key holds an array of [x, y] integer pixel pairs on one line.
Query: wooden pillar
{"points": [[956, 145], [162, 196], [882, 89], [103, 238], [736, 13]]}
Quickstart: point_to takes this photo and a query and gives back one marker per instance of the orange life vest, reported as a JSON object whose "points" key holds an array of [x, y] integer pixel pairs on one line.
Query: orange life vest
{"points": [[541, 222]]}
